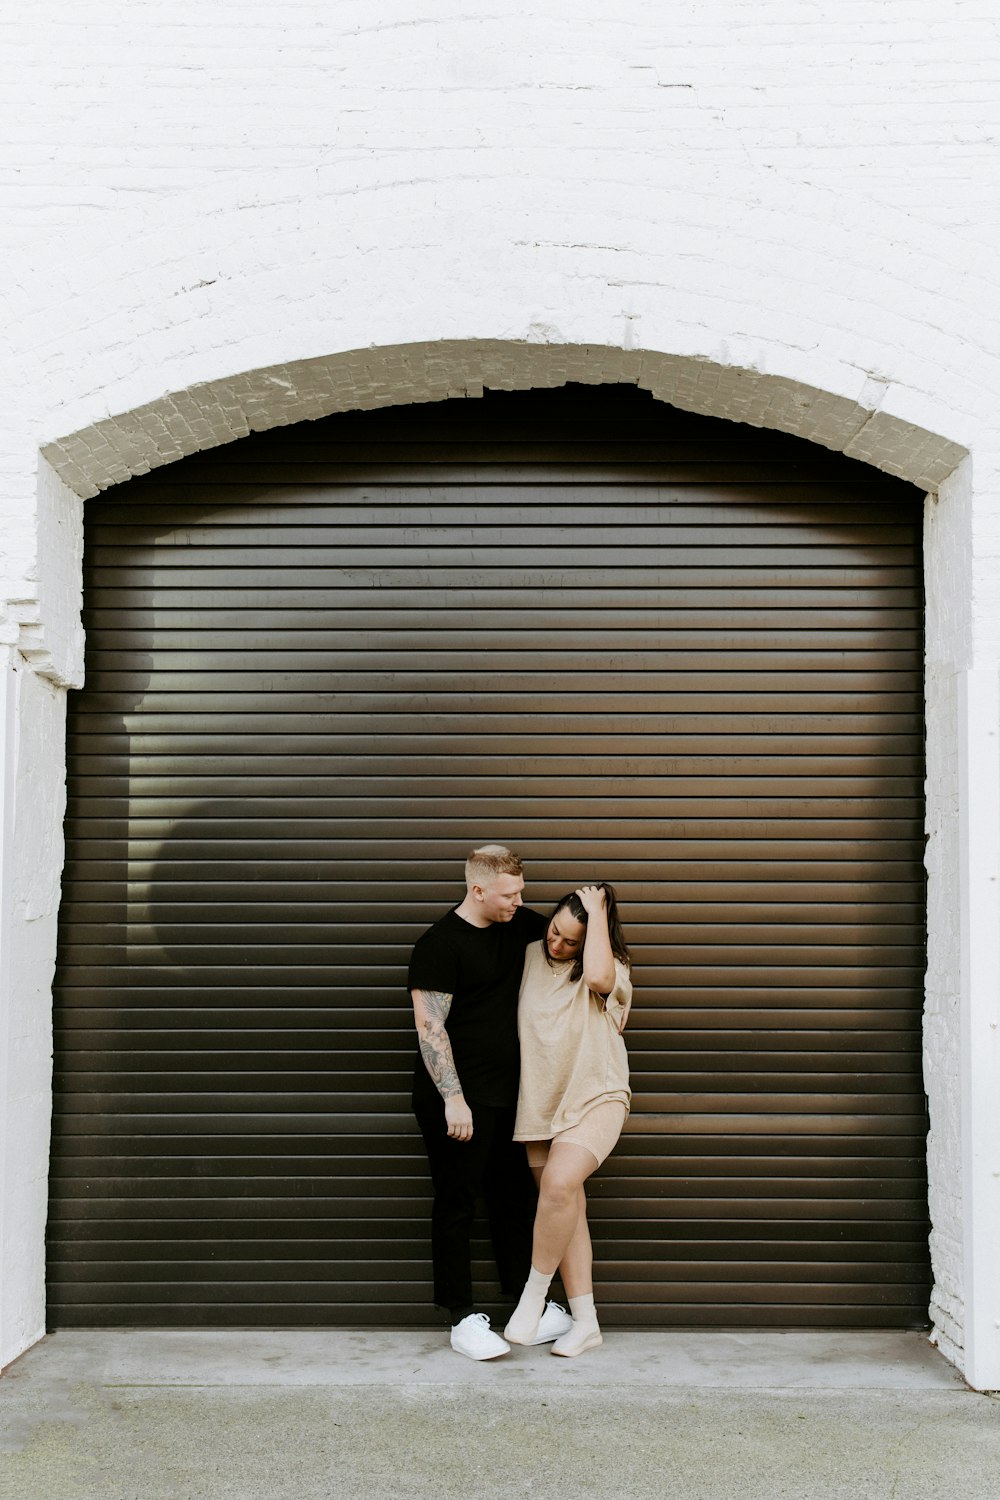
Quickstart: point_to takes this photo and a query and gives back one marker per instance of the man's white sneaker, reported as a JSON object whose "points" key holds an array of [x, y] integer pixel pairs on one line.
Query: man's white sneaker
{"points": [[474, 1337], [554, 1322]]}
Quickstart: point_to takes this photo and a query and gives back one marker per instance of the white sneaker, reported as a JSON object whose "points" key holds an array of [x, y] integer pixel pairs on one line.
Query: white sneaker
{"points": [[474, 1337], [554, 1322], [582, 1337]]}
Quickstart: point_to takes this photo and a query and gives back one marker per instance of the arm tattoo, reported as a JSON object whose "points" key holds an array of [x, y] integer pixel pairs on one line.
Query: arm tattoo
{"points": [[435, 1047], [437, 1004]]}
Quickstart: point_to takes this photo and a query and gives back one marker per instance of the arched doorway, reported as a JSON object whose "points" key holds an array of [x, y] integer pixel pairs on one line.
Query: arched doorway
{"points": [[628, 641]]}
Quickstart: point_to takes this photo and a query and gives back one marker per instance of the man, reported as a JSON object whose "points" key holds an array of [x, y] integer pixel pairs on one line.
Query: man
{"points": [[464, 977]]}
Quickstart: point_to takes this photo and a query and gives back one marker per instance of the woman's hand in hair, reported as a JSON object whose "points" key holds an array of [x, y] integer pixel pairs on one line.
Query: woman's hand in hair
{"points": [[593, 899]]}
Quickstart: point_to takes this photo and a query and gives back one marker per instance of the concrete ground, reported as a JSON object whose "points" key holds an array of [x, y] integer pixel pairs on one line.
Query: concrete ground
{"points": [[320, 1416]]}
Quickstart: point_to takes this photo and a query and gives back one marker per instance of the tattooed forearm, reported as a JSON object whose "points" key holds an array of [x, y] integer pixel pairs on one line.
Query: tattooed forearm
{"points": [[435, 1050], [432, 1007]]}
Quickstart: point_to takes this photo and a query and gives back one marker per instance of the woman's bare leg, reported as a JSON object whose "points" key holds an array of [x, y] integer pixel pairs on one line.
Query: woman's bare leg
{"points": [[577, 1271], [577, 1265], [562, 1205], [560, 1222]]}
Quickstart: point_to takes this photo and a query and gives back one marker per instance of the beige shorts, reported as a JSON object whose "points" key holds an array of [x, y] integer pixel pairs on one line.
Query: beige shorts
{"points": [[597, 1132]]}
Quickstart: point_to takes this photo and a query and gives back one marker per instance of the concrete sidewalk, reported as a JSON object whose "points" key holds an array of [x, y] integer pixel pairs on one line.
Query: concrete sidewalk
{"points": [[307, 1416]]}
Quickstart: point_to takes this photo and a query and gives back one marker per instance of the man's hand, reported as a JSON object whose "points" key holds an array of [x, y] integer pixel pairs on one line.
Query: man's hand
{"points": [[458, 1117], [623, 1022]]}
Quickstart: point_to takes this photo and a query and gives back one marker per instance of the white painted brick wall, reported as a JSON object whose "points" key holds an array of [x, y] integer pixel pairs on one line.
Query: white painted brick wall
{"points": [[221, 217], [948, 564], [32, 795], [893, 101]]}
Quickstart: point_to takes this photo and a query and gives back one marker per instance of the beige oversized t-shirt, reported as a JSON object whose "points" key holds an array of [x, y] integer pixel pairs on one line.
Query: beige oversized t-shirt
{"points": [[572, 1057]]}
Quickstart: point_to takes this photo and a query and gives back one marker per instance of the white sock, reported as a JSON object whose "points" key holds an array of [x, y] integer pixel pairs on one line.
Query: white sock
{"points": [[525, 1318], [583, 1310]]}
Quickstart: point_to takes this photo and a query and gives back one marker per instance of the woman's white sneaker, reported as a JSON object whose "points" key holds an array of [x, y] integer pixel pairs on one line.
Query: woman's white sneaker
{"points": [[475, 1338], [580, 1338]]}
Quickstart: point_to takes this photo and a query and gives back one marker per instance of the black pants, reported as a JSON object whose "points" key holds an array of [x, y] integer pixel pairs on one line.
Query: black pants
{"points": [[490, 1164]]}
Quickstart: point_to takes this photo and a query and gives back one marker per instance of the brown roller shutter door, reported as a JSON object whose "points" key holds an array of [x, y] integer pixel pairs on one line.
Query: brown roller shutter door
{"points": [[676, 653]]}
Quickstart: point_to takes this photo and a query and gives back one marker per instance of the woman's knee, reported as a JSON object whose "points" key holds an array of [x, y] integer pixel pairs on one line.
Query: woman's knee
{"points": [[558, 1189]]}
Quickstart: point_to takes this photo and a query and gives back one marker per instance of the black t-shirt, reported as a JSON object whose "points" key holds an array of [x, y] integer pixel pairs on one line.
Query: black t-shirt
{"points": [[481, 967]]}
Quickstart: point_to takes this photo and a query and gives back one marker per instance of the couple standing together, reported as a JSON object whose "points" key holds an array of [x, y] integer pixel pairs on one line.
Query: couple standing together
{"points": [[496, 1112]]}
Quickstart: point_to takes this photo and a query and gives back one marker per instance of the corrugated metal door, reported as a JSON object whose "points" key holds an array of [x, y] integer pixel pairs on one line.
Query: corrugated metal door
{"points": [[671, 652]]}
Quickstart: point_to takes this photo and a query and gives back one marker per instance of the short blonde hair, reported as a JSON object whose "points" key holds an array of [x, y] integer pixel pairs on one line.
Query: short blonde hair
{"points": [[485, 864]]}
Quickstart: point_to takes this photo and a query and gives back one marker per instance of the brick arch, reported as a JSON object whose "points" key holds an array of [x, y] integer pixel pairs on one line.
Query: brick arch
{"points": [[219, 411]]}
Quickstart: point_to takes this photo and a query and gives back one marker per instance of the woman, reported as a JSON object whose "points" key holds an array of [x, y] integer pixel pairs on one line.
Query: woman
{"points": [[574, 1096]]}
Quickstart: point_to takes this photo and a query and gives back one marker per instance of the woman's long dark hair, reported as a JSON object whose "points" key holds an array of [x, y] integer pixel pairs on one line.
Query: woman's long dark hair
{"points": [[572, 903]]}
